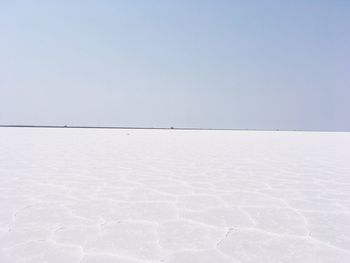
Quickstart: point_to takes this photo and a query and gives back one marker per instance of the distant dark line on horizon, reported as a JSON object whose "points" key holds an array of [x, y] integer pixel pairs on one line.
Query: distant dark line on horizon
{"points": [[152, 128], [111, 127]]}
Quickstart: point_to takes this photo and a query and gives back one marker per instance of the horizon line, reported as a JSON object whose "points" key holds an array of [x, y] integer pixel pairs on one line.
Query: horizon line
{"points": [[153, 128]]}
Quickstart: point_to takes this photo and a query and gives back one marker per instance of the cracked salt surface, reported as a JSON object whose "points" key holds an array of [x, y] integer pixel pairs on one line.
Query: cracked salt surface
{"points": [[131, 196]]}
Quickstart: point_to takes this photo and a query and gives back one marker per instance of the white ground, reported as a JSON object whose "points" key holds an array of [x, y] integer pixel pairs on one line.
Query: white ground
{"points": [[103, 196]]}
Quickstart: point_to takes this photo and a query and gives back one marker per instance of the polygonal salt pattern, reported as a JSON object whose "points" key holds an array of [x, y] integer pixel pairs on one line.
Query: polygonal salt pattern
{"points": [[135, 196]]}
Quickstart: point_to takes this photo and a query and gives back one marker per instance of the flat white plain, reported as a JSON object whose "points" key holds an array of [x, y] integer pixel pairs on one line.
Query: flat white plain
{"points": [[103, 196]]}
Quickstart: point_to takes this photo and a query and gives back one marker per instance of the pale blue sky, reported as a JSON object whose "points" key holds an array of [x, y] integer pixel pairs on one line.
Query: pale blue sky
{"points": [[217, 64]]}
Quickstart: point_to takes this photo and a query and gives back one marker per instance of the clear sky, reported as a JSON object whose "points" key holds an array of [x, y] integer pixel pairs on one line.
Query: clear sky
{"points": [[184, 63]]}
